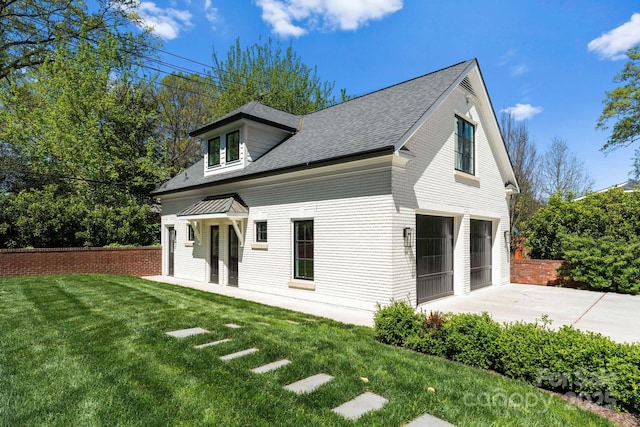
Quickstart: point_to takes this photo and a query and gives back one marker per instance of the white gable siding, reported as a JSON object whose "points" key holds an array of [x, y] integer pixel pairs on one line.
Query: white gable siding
{"points": [[430, 185], [260, 139]]}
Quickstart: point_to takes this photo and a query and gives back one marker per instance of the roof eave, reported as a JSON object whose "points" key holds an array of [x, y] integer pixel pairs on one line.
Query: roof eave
{"points": [[294, 168]]}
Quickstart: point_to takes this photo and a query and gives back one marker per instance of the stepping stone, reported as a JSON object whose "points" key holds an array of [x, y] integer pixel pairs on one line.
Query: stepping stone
{"points": [[309, 320], [263, 323], [209, 344], [270, 366], [293, 322], [238, 354], [309, 384], [359, 406], [233, 326], [182, 333], [428, 420]]}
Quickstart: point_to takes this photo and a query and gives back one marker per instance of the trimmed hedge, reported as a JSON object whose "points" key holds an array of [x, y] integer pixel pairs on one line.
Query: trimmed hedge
{"points": [[571, 361]]}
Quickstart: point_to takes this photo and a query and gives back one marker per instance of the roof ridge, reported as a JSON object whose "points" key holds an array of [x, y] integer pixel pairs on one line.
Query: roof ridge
{"points": [[393, 85]]}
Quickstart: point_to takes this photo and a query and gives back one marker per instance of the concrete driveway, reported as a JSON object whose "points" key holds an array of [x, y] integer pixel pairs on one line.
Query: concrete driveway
{"points": [[614, 315]]}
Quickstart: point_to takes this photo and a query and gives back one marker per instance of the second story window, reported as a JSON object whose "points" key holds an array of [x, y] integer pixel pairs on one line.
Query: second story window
{"points": [[233, 146], [214, 151], [465, 146]]}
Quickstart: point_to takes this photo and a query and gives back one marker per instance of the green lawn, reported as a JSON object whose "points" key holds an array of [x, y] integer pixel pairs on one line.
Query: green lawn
{"points": [[92, 350]]}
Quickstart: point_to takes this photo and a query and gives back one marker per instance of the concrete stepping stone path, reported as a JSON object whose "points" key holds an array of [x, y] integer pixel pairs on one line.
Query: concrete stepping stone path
{"points": [[428, 420], [238, 354], [293, 322], [209, 344], [183, 333], [233, 326], [309, 384], [359, 406], [270, 366]]}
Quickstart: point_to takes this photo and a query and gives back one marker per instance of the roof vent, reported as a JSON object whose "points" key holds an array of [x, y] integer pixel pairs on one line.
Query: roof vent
{"points": [[466, 85]]}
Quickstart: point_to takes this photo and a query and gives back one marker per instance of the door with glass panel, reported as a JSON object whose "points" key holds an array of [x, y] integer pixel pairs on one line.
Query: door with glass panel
{"points": [[233, 257], [480, 243], [434, 257], [214, 259]]}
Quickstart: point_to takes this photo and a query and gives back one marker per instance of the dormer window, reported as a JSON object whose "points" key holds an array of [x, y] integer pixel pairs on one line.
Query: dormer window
{"points": [[233, 146], [214, 151]]}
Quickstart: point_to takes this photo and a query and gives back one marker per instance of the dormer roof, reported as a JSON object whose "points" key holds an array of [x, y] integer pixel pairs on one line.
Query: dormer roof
{"points": [[257, 112]]}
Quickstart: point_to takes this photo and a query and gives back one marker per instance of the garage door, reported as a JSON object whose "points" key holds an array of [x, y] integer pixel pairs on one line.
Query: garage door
{"points": [[480, 253], [434, 257]]}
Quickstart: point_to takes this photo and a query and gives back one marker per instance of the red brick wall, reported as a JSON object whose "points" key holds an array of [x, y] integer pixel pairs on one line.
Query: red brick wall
{"points": [[536, 272], [135, 261]]}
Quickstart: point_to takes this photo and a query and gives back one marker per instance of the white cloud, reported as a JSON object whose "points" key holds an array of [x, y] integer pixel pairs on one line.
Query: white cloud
{"points": [[522, 111], [615, 43], [165, 22], [210, 12], [518, 69], [296, 17]]}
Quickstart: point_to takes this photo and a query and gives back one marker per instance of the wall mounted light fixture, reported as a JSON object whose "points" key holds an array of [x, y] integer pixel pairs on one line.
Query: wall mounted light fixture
{"points": [[407, 233]]}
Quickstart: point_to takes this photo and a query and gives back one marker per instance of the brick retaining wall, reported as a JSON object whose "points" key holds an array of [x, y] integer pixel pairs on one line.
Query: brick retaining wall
{"points": [[134, 261], [536, 272]]}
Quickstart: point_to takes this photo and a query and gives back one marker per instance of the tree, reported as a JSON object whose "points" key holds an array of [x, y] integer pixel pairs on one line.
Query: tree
{"points": [[266, 73], [183, 103], [623, 104], [31, 30], [563, 172], [524, 158], [83, 126]]}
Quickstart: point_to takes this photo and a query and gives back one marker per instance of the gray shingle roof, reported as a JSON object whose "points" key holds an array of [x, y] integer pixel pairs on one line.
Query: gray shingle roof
{"points": [[369, 124], [255, 111]]}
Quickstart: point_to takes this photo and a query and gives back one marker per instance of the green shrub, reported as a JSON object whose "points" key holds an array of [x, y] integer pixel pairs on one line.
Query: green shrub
{"points": [[604, 263], [526, 351], [426, 344], [396, 322], [471, 339]]}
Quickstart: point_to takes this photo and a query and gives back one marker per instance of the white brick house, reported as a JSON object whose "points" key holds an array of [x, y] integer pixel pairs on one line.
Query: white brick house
{"points": [[402, 193]]}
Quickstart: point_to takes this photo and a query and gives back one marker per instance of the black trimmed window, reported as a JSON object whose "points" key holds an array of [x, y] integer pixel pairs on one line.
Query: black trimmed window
{"points": [[303, 249], [465, 146], [261, 231], [233, 146], [191, 235], [214, 151]]}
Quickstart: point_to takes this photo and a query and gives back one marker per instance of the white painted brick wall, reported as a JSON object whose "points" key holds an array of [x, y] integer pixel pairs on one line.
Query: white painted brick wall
{"points": [[430, 186]]}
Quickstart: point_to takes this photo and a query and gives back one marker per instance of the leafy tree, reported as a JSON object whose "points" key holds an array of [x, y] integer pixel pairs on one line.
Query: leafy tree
{"points": [[525, 159], [84, 129], [599, 235], [623, 105], [183, 103], [271, 75], [31, 30], [561, 171]]}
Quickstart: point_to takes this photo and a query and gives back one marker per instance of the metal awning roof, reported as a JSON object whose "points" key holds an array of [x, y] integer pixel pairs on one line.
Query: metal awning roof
{"points": [[216, 206]]}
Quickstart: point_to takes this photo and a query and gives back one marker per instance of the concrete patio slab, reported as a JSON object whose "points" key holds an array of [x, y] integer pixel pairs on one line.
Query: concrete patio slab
{"points": [[427, 420], [209, 344], [238, 354], [309, 384], [613, 315], [183, 333], [359, 406], [270, 366]]}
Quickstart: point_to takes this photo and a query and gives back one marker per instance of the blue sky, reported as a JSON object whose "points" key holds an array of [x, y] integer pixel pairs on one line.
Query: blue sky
{"points": [[549, 61]]}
